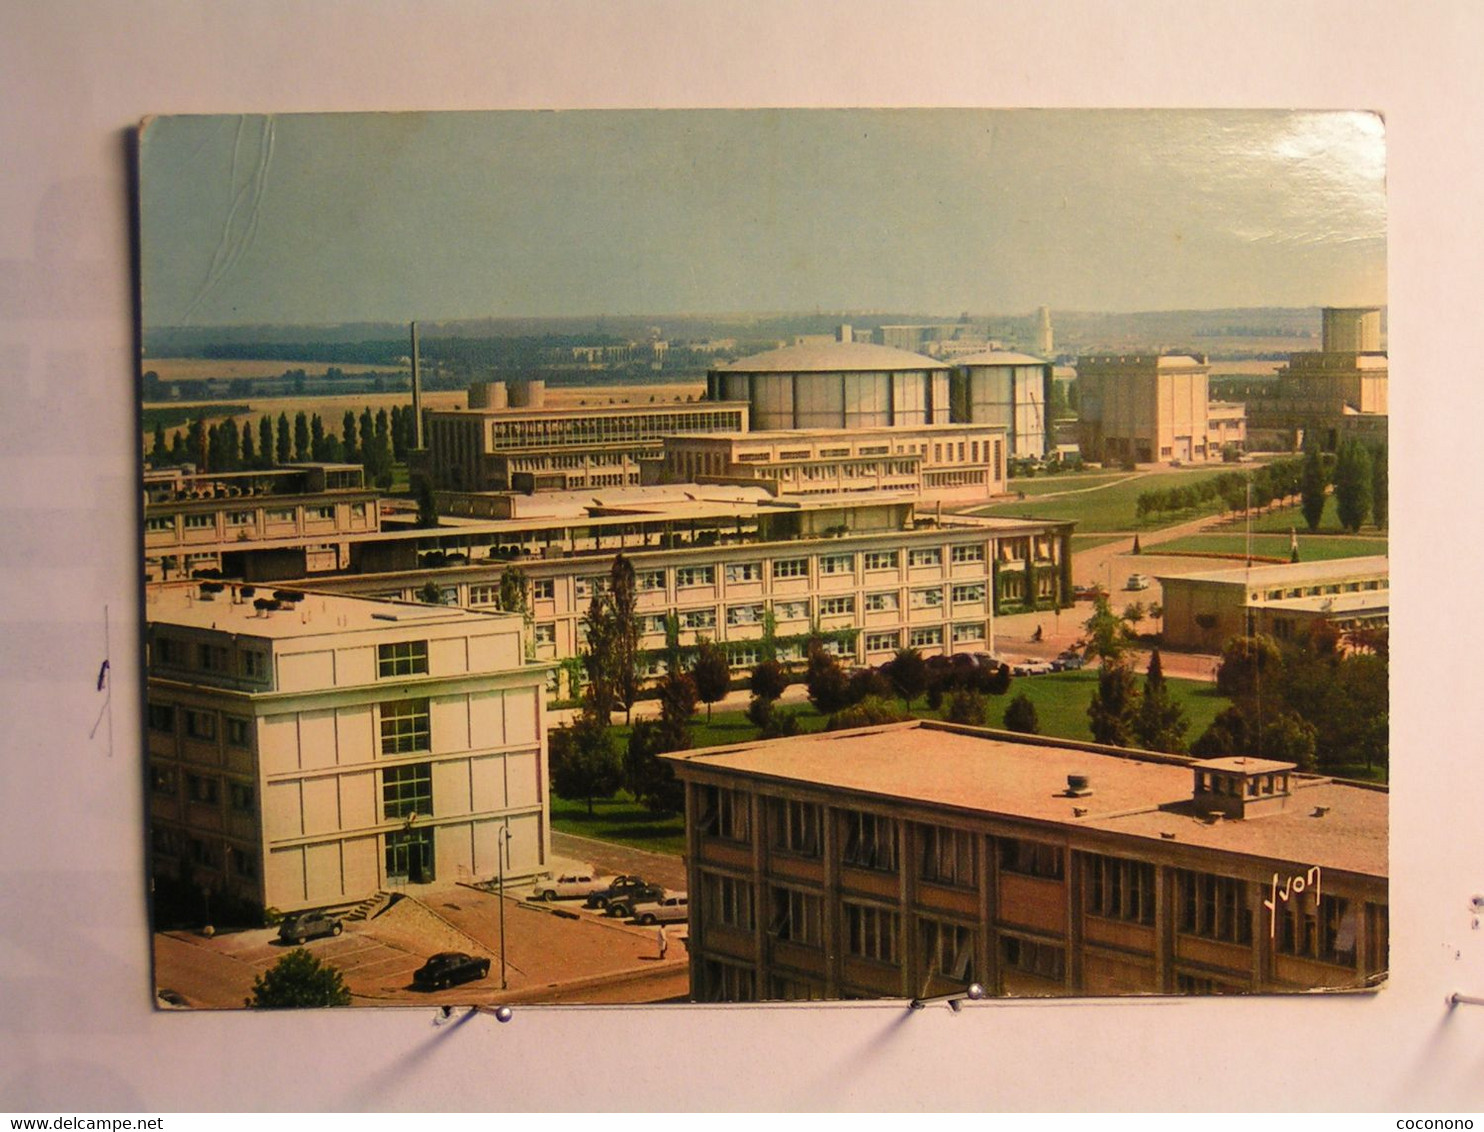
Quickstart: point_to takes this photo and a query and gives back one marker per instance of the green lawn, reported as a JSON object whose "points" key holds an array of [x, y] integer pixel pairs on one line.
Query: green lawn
{"points": [[1067, 481], [1279, 522], [1088, 542], [1110, 508], [1061, 700], [1312, 548]]}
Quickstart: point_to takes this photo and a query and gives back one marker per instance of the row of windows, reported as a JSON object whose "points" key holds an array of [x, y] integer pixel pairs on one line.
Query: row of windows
{"points": [[203, 788], [169, 842], [247, 663], [199, 725]]}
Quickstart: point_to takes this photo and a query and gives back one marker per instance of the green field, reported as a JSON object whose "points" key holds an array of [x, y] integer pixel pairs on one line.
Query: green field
{"points": [[1109, 508], [1067, 481], [1281, 521], [1312, 548], [1061, 700]]}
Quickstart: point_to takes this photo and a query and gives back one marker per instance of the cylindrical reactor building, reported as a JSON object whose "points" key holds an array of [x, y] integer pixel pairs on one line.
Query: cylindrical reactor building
{"points": [[839, 385], [998, 387]]}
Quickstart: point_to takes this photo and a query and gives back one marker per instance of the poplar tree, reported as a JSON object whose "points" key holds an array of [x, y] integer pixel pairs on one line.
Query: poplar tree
{"points": [[1312, 482]]}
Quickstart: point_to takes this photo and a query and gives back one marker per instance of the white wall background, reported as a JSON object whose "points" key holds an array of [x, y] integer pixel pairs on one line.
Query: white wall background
{"points": [[75, 1018]]}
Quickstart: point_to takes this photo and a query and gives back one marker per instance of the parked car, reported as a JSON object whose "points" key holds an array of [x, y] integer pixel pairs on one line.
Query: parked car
{"points": [[1071, 659], [1030, 666], [449, 967], [308, 925], [632, 888], [1137, 582], [674, 908], [568, 886], [1088, 593]]}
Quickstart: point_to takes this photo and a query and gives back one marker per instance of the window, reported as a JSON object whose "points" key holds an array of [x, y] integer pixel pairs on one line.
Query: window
{"points": [[871, 932], [403, 658], [884, 601], [239, 518], [1042, 960], [791, 568], [167, 650], [407, 790], [947, 950], [240, 796], [970, 593], [725, 813], [406, 726], [881, 560], [798, 917], [728, 901], [745, 614], [254, 664], [1325, 932], [925, 556], [238, 730], [791, 610], [946, 856], [162, 779], [279, 515], [832, 606], [968, 631], [198, 522], [926, 638], [1214, 907], [544, 634], [203, 788], [744, 572], [881, 642], [870, 841], [211, 658], [698, 619], [1031, 859], [200, 724], [726, 982], [319, 512], [245, 865], [544, 589], [795, 827], [970, 553], [597, 584], [837, 563], [652, 623], [747, 657], [161, 718], [484, 594], [927, 599], [1120, 890], [648, 580], [695, 575], [159, 523]]}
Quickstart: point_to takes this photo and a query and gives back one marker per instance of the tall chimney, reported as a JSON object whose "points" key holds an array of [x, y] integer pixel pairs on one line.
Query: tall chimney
{"points": [[417, 395]]}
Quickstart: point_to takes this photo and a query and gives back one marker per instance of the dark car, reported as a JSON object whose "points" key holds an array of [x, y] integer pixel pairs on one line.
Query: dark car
{"points": [[633, 889], [449, 967], [308, 925], [1071, 659]]}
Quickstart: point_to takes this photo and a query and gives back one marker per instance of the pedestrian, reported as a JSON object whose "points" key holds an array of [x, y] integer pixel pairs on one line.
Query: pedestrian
{"points": [[663, 940]]}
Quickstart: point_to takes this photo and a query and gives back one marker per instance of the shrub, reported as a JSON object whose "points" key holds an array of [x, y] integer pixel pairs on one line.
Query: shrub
{"points": [[871, 711], [1021, 716], [967, 707]]}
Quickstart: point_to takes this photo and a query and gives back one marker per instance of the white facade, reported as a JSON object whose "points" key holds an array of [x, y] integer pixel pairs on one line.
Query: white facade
{"points": [[1008, 391], [311, 755]]}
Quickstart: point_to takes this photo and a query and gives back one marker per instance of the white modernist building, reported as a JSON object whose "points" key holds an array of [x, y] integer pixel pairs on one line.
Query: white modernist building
{"points": [[309, 750]]}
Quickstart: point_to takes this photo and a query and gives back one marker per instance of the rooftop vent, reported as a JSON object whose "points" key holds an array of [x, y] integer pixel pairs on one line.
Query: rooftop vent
{"points": [[1078, 786]]}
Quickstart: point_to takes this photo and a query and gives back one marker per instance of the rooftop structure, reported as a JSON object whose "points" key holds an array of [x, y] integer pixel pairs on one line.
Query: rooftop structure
{"points": [[310, 749], [916, 858]]}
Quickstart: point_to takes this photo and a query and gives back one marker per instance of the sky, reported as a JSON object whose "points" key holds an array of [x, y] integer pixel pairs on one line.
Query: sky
{"points": [[299, 219]]}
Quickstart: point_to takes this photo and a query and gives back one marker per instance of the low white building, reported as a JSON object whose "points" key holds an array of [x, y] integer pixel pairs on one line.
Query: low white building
{"points": [[308, 750]]}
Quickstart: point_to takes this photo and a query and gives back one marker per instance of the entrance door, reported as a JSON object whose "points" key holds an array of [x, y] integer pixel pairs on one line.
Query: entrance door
{"points": [[409, 857]]}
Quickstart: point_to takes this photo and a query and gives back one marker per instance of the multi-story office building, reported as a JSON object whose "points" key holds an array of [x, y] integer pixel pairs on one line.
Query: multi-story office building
{"points": [[1205, 610], [866, 575], [934, 463], [840, 385], [917, 858], [1152, 408], [511, 440], [308, 750], [1008, 390], [298, 516]]}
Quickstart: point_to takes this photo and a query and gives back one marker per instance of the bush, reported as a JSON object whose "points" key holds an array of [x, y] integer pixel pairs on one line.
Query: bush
{"points": [[1021, 716], [968, 708], [870, 712], [299, 979]]}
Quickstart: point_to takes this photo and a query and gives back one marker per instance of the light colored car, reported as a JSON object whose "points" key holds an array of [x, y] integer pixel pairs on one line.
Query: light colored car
{"points": [[1137, 582], [1030, 666], [569, 886], [674, 908]]}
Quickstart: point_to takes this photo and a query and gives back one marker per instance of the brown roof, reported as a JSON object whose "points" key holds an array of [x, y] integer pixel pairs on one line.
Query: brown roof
{"points": [[1133, 793]]}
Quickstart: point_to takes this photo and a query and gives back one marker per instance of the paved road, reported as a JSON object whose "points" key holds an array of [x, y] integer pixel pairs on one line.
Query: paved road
{"points": [[657, 868]]}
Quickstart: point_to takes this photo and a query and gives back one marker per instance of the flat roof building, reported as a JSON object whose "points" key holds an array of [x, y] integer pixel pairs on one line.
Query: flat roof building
{"points": [[917, 858], [1152, 408], [310, 750], [951, 463], [1205, 610]]}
